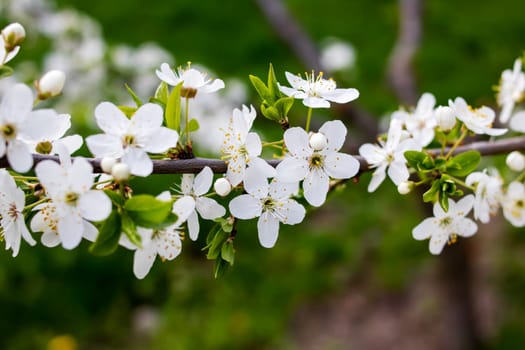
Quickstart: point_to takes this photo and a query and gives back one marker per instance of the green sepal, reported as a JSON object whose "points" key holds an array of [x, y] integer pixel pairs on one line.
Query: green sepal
{"points": [[108, 235], [148, 211], [463, 163], [128, 110], [133, 95], [130, 229], [172, 113], [6, 71], [161, 94]]}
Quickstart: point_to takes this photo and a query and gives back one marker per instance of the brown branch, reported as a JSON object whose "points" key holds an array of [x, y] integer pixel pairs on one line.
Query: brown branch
{"points": [[194, 165]]}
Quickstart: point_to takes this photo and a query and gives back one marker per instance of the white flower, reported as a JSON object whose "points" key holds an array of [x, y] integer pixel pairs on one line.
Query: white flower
{"points": [[445, 117], [20, 126], [444, 227], [422, 121], [477, 120], [6, 56], [316, 166], [12, 203], [316, 92], [13, 35], [130, 138], [513, 204], [165, 242], [192, 80], [272, 204], [68, 185], [515, 161], [517, 122], [196, 187], [511, 90], [389, 155], [50, 84], [242, 148], [487, 194], [52, 129]]}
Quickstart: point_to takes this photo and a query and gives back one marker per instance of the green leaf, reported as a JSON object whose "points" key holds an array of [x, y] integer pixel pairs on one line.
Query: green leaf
{"points": [[6, 71], [414, 158], [283, 105], [133, 95], [127, 110], [148, 211], [130, 229], [261, 88], [221, 266], [228, 252], [271, 113], [161, 94], [193, 125], [115, 197], [108, 236], [464, 163], [443, 201], [273, 87], [432, 194], [172, 113], [216, 244]]}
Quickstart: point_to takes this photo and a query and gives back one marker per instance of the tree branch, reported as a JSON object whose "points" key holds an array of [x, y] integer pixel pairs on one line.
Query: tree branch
{"points": [[194, 165]]}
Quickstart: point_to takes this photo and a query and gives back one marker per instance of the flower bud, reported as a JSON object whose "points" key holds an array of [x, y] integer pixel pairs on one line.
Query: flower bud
{"points": [[222, 187], [445, 117], [405, 187], [515, 161], [120, 172], [13, 35], [107, 164], [318, 141], [51, 84]]}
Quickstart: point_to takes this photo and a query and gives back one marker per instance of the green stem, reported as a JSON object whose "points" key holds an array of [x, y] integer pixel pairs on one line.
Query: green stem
{"points": [[308, 118], [280, 142], [25, 178], [32, 205], [461, 182], [457, 143], [187, 121], [521, 177]]}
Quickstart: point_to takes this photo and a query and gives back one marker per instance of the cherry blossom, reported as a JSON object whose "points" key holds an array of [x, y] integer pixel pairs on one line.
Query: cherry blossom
{"points": [[421, 122], [511, 90], [488, 192], [193, 81], [477, 120], [513, 204]]}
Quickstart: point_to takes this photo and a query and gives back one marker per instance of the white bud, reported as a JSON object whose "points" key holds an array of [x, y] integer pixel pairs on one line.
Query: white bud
{"points": [[515, 161], [445, 117], [120, 172], [318, 141], [13, 35], [51, 84], [107, 164], [222, 187], [405, 187]]}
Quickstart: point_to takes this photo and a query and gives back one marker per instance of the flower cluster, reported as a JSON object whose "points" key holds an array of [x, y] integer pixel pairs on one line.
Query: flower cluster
{"points": [[71, 199]]}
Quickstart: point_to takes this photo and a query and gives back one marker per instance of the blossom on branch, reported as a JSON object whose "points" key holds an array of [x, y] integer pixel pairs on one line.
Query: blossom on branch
{"points": [[510, 90], [513, 204], [421, 122], [192, 80], [488, 192], [477, 120]]}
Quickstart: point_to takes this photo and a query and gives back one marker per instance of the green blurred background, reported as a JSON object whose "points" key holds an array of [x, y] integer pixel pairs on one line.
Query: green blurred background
{"points": [[350, 276]]}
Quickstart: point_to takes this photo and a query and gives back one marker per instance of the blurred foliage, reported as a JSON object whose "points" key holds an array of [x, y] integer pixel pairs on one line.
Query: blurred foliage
{"points": [[52, 296]]}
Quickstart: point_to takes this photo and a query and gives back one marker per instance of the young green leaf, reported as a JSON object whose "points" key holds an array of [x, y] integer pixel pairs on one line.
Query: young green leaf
{"points": [[133, 95], [228, 252], [5, 71], [193, 125], [127, 110], [221, 266], [148, 211], [108, 236], [161, 94], [464, 163], [130, 229], [414, 158], [172, 113], [262, 90]]}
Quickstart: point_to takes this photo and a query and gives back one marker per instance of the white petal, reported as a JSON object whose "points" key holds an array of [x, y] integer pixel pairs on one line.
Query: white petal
{"points": [[463, 206], [19, 156], [373, 154], [143, 260], [146, 120], [466, 227], [186, 184], [292, 169], [268, 230], [209, 209], [217, 84], [168, 243], [72, 143], [193, 225], [236, 170], [138, 161], [296, 140], [256, 184], [90, 231], [315, 187], [70, 228], [335, 132], [283, 190], [50, 239], [341, 165], [167, 75], [45, 124], [253, 144], [81, 175], [437, 242], [16, 104], [291, 212], [94, 206], [203, 181], [378, 176], [341, 95], [111, 119], [316, 102], [517, 123], [398, 172], [183, 207], [425, 229], [262, 166], [162, 140], [245, 207], [103, 145]]}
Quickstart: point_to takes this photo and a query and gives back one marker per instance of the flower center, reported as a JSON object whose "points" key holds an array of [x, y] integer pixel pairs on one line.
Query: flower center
{"points": [[316, 160], [71, 198], [129, 140], [12, 211], [268, 203], [446, 221], [9, 131], [188, 92], [44, 147]]}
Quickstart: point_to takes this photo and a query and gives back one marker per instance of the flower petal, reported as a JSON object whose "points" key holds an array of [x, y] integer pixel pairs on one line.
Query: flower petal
{"points": [[253, 144], [341, 165], [183, 207], [81, 176], [438, 242], [268, 230], [162, 140], [203, 181], [138, 161], [245, 207], [193, 225], [425, 229], [291, 212], [209, 209], [316, 102], [94, 205], [335, 132], [378, 176], [296, 140], [143, 260], [70, 228], [315, 187], [19, 156], [16, 104], [111, 119], [104, 145], [398, 172], [466, 227], [341, 95], [292, 169]]}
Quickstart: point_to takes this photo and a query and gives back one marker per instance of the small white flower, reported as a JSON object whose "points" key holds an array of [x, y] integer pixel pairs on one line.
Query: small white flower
{"points": [[316, 166], [421, 122], [317, 92], [12, 203], [192, 80], [477, 120], [52, 128], [165, 242], [444, 227], [68, 185], [242, 148], [389, 155], [130, 138], [511, 90], [51, 84], [222, 186], [445, 117], [487, 193], [272, 204], [13, 35], [195, 188], [513, 204], [515, 161]]}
